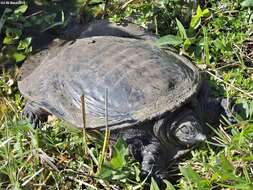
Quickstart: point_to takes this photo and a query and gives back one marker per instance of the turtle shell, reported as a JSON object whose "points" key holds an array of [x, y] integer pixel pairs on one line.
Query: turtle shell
{"points": [[143, 82]]}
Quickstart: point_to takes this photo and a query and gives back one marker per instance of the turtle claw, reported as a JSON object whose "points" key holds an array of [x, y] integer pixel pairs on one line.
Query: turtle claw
{"points": [[146, 177], [33, 119]]}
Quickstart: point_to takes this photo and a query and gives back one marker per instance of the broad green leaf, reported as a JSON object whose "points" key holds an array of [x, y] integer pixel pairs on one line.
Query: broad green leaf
{"points": [[243, 186], [245, 109], [118, 176], [194, 177], [13, 33], [8, 40], [24, 44], [205, 13], [181, 29], [137, 173], [195, 21], [226, 165], [118, 161], [169, 40], [187, 43], [120, 151], [105, 172], [199, 11], [169, 186], [224, 169], [247, 3], [121, 146], [19, 57], [153, 185], [21, 9]]}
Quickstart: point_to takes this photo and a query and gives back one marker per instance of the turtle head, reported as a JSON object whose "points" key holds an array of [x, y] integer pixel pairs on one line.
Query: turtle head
{"points": [[186, 129]]}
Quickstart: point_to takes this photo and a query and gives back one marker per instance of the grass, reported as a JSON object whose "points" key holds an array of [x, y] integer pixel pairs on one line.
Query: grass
{"points": [[217, 38]]}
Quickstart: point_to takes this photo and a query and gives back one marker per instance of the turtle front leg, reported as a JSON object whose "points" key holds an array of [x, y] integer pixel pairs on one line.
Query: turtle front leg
{"points": [[145, 148], [150, 158], [156, 162], [34, 114]]}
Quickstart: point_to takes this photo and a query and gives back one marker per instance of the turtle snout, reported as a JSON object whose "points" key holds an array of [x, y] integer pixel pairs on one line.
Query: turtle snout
{"points": [[200, 137]]}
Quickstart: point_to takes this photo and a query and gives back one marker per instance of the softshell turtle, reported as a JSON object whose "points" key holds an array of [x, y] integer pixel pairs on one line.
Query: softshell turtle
{"points": [[156, 99]]}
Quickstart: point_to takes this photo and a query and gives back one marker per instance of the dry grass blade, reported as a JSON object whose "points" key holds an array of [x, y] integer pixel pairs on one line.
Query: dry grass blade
{"points": [[140, 185], [2, 20], [84, 124], [6, 142], [105, 9], [34, 14], [225, 134], [231, 85], [33, 176], [82, 183], [107, 133], [126, 4], [49, 160], [93, 157], [45, 181]]}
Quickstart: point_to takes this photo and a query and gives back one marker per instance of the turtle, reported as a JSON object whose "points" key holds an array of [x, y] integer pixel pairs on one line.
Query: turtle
{"points": [[157, 100]]}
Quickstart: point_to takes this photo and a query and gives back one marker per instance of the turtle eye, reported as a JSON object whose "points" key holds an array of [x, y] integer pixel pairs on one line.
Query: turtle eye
{"points": [[186, 129], [187, 133]]}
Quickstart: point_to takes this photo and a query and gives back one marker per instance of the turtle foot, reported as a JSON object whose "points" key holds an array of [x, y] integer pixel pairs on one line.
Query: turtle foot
{"points": [[34, 114], [32, 117], [152, 164]]}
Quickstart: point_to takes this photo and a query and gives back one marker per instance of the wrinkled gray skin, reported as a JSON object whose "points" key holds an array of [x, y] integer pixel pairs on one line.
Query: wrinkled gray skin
{"points": [[159, 142]]}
